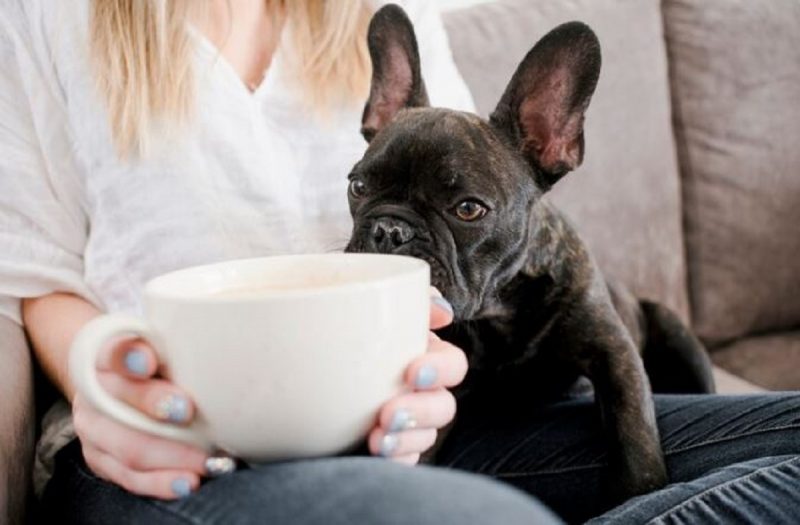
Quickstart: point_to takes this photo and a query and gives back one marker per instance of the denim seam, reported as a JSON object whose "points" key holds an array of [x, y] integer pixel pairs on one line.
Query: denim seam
{"points": [[666, 451], [731, 437], [141, 499], [713, 490]]}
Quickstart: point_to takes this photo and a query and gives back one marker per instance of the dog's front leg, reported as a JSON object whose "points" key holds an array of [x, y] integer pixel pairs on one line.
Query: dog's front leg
{"points": [[622, 392], [623, 395]]}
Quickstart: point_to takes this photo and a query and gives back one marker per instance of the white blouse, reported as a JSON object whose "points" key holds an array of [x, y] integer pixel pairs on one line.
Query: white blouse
{"points": [[252, 175]]}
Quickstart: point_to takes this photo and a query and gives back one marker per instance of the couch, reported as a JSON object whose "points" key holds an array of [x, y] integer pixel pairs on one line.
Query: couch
{"points": [[690, 189]]}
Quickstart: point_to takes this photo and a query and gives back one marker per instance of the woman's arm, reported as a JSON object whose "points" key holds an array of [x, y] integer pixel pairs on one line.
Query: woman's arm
{"points": [[52, 322]]}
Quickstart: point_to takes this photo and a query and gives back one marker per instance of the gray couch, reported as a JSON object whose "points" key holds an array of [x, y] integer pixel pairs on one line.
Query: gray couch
{"points": [[690, 192], [16, 422]]}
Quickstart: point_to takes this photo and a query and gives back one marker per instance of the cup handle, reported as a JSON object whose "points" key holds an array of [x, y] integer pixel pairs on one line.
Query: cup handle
{"points": [[83, 370]]}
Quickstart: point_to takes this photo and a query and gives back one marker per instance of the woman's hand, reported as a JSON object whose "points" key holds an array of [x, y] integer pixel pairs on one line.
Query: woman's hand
{"points": [[141, 463], [408, 424]]}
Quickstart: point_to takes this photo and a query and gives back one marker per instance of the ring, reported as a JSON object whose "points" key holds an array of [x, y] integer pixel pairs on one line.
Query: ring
{"points": [[219, 466]]}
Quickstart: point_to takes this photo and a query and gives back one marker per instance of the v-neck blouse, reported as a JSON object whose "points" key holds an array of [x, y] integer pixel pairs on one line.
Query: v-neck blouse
{"points": [[252, 174]]}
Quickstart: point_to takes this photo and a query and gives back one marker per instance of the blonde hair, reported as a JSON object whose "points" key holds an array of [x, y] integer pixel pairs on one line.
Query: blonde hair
{"points": [[142, 60]]}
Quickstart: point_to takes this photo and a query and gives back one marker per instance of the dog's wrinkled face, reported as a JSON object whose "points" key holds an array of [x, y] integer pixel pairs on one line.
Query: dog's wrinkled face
{"points": [[454, 189], [440, 185]]}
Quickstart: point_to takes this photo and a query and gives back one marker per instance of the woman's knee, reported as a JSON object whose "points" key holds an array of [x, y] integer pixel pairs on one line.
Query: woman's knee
{"points": [[324, 491], [359, 490]]}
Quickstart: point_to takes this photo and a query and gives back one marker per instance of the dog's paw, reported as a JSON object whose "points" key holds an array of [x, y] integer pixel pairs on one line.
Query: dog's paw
{"points": [[635, 482]]}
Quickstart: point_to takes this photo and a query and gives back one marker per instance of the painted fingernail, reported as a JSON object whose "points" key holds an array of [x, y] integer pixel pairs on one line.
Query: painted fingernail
{"points": [[173, 408], [388, 445], [426, 377], [181, 487], [402, 420], [219, 466], [443, 303], [136, 362]]}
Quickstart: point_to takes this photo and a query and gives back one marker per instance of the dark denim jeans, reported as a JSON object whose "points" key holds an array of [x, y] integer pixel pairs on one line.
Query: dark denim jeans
{"points": [[730, 459]]}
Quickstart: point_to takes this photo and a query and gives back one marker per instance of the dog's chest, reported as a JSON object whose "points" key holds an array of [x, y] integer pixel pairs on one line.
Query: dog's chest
{"points": [[514, 356]]}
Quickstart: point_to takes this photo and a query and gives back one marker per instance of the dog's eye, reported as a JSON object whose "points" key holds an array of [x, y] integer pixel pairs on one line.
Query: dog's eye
{"points": [[357, 188], [470, 210]]}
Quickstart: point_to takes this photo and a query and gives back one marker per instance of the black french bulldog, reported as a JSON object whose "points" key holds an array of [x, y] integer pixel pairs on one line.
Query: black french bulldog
{"points": [[533, 312]]}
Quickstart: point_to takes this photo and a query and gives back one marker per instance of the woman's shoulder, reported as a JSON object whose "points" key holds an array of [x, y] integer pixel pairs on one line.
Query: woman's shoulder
{"points": [[16, 16], [36, 24]]}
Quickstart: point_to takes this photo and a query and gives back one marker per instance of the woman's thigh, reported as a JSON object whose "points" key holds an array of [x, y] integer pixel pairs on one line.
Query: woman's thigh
{"points": [[325, 491], [762, 490], [557, 452]]}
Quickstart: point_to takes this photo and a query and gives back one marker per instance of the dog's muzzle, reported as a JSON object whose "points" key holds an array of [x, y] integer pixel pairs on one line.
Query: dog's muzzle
{"points": [[387, 234]]}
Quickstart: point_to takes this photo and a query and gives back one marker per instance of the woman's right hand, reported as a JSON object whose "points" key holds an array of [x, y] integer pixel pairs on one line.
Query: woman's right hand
{"points": [[141, 463]]}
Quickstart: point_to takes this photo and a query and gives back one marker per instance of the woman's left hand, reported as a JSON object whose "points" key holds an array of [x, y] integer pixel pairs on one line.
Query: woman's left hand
{"points": [[408, 424]]}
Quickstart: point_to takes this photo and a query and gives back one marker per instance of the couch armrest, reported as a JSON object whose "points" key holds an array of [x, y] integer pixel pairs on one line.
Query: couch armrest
{"points": [[17, 422]]}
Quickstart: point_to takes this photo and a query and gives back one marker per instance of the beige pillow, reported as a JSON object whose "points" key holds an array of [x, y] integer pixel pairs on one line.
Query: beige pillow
{"points": [[736, 85]]}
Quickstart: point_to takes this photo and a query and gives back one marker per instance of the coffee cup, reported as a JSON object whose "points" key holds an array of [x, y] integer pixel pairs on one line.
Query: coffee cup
{"points": [[284, 357]]}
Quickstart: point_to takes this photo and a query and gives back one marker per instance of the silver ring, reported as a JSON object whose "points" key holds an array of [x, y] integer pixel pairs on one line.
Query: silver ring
{"points": [[219, 466]]}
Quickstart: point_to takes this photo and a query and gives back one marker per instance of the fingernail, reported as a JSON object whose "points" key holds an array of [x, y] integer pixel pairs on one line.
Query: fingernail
{"points": [[219, 466], [402, 420], [426, 377], [136, 362], [181, 487], [443, 303], [173, 408], [388, 445]]}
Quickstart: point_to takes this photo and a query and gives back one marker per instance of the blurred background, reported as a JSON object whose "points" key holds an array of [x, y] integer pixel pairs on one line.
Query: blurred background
{"points": [[446, 5]]}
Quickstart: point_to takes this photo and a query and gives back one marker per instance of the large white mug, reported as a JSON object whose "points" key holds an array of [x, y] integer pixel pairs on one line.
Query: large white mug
{"points": [[284, 357]]}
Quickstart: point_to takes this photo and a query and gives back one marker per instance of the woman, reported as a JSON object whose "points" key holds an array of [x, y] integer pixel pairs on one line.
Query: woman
{"points": [[140, 136]]}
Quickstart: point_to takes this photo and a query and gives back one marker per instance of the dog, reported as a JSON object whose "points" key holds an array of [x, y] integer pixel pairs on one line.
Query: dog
{"points": [[532, 310]]}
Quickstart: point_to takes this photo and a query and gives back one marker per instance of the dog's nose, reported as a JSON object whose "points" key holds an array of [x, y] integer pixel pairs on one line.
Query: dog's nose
{"points": [[389, 233]]}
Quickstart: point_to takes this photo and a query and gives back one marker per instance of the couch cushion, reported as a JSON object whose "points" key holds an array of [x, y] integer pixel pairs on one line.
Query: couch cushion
{"points": [[735, 68], [17, 422], [625, 199], [771, 361], [728, 383]]}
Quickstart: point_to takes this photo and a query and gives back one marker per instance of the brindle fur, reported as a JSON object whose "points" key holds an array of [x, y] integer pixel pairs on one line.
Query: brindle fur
{"points": [[533, 311]]}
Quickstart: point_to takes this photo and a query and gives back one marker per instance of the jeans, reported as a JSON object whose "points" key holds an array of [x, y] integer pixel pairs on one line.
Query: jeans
{"points": [[731, 459], [334, 491]]}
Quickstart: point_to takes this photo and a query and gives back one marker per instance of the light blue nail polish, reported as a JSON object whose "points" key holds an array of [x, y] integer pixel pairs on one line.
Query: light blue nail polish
{"points": [[173, 408], [443, 303], [181, 487], [136, 362], [426, 377], [179, 409], [401, 420], [388, 445]]}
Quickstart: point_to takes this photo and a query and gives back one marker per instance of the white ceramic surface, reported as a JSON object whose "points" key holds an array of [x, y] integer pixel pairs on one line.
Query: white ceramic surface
{"points": [[293, 371]]}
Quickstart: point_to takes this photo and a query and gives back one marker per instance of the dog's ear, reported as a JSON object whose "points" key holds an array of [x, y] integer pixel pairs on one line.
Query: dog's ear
{"points": [[542, 109], [396, 79]]}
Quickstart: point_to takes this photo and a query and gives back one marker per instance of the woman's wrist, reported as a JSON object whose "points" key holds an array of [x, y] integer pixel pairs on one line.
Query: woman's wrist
{"points": [[52, 321]]}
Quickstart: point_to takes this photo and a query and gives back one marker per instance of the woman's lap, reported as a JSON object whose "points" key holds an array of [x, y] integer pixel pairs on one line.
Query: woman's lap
{"points": [[735, 454], [557, 454], [329, 491]]}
